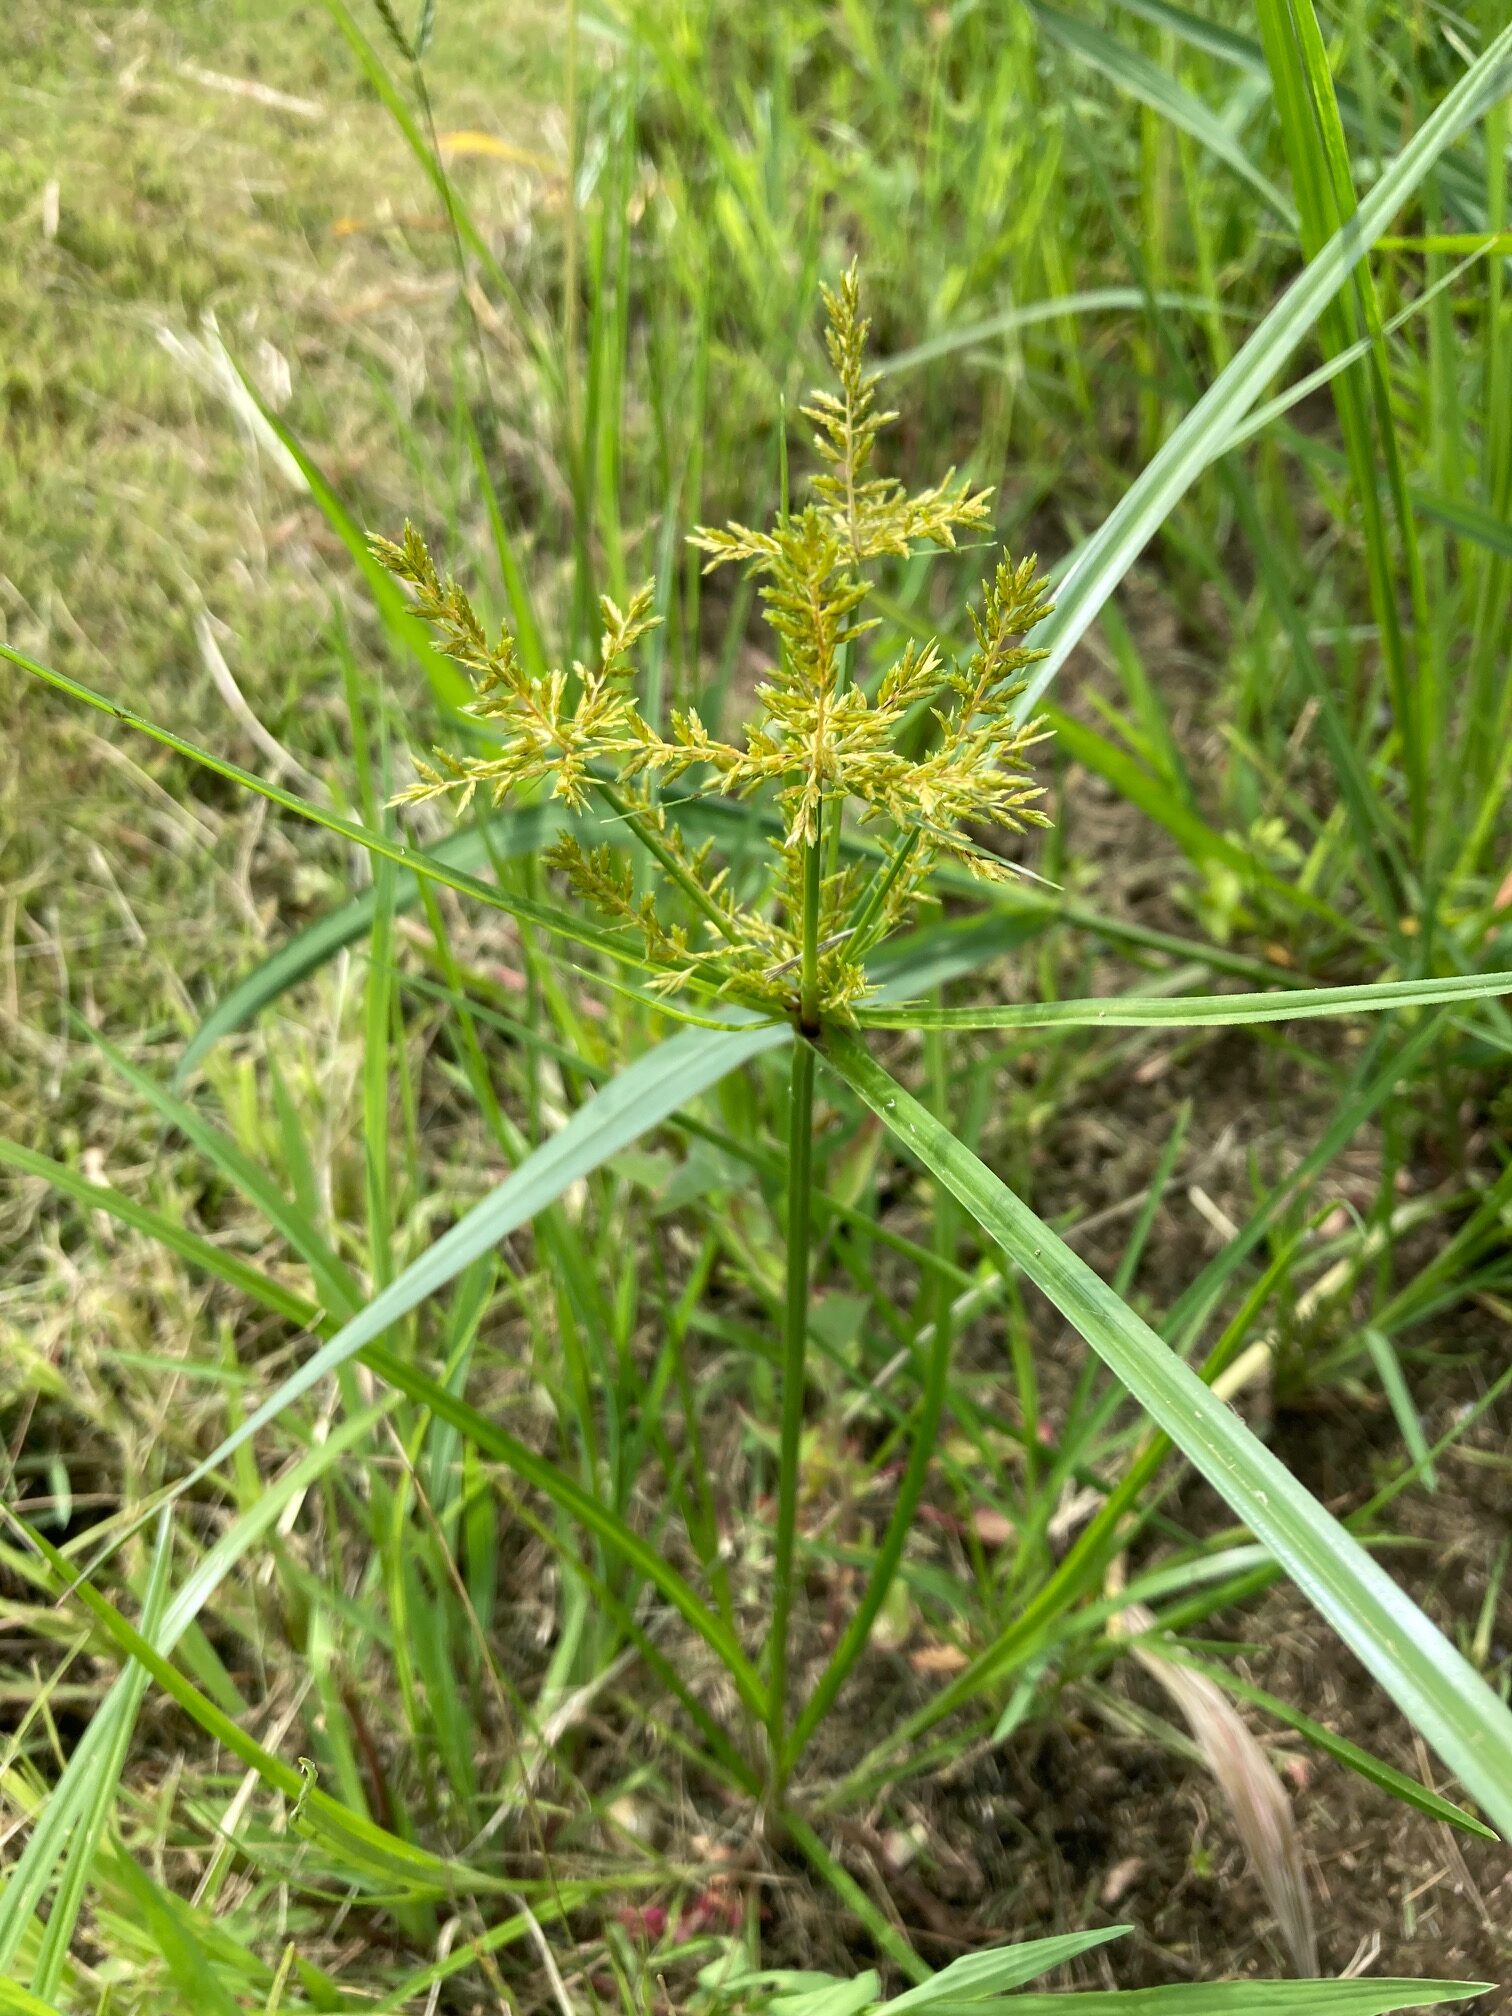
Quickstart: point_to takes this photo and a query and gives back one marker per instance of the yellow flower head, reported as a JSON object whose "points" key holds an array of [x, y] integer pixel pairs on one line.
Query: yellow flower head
{"points": [[822, 739]]}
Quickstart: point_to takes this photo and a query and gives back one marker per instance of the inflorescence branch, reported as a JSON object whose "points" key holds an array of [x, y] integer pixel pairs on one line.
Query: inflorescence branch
{"points": [[819, 742]]}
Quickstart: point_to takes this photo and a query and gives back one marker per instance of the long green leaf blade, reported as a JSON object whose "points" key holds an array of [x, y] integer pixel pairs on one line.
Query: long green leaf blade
{"points": [[75, 1788], [523, 832], [381, 1857], [1436, 1688], [18, 2001], [639, 1098], [582, 1506], [1028, 314], [189, 1246], [448, 684], [84, 1845], [1109, 553], [1370, 1768], [976, 1975], [1135, 73], [1232, 1998], [1197, 1011], [434, 867]]}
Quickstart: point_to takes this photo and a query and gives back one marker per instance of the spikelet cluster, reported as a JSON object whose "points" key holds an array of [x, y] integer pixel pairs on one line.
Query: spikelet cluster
{"points": [[823, 741]]}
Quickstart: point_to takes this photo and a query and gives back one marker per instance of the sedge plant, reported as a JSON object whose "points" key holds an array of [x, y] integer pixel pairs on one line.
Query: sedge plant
{"points": [[771, 983], [791, 964], [797, 947], [838, 755]]}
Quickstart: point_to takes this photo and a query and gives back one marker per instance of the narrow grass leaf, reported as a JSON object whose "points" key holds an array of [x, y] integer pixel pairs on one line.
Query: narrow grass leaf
{"points": [[1107, 556], [1077, 742], [642, 1096], [1197, 1011], [580, 1504], [523, 621], [508, 835], [202, 1253], [171, 1929], [369, 1852], [841, 1998], [448, 683], [1459, 181], [1388, 1367], [1435, 1687], [74, 1789], [85, 1841], [1380, 1072], [881, 1929], [1133, 72], [1094, 301], [1234, 1998], [18, 2001], [337, 1286], [458, 214], [1361, 1762], [1461, 515], [74, 1825], [433, 867], [977, 1975]]}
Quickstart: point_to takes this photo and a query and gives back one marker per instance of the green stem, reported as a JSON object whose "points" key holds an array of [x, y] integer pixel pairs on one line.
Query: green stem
{"points": [[921, 1452], [794, 1351], [833, 837], [870, 907], [883, 1931], [795, 1328], [662, 854], [577, 443], [813, 886]]}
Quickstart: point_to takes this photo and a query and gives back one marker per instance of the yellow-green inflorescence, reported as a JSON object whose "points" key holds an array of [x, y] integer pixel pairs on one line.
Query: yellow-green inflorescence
{"points": [[821, 741]]}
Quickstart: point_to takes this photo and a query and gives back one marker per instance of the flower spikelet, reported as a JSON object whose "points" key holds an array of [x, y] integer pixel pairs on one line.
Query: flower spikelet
{"points": [[926, 745]]}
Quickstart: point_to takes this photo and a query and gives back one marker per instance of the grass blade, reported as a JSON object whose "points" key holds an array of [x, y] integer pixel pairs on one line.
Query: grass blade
{"points": [[1197, 1011], [1458, 178], [433, 867], [1234, 1998], [448, 683], [507, 836], [976, 1975], [70, 1828], [379, 1857], [337, 1286], [571, 1497], [73, 1791], [1094, 301], [1438, 1690], [1372, 1769], [189, 1246], [639, 1098], [459, 215], [1314, 140], [87, 1836], [1107, 556], [171, 1928], [17, 2001], [522, 614], [1135, 73], [1389, 1371]]}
